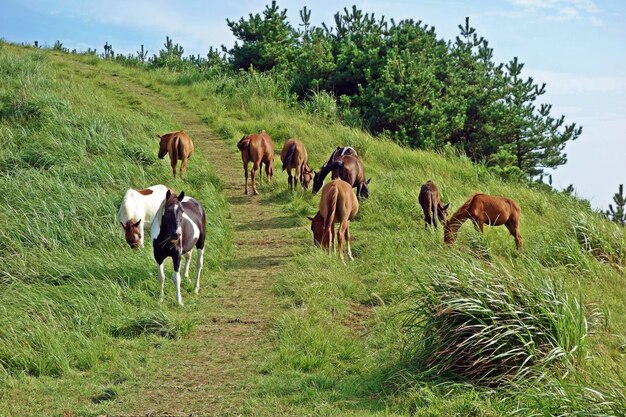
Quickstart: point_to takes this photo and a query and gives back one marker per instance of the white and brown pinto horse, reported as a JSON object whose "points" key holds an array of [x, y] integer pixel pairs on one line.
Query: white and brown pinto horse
{"points": [[179, 225], [137, 209], [338, 205]]}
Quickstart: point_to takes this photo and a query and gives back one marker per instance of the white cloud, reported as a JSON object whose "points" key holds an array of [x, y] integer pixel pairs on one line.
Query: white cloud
{"points": [[559, 10], [570, 83]]}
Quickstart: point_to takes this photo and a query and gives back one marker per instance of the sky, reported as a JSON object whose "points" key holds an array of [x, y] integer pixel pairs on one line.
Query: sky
{"points": [[577, 47]]}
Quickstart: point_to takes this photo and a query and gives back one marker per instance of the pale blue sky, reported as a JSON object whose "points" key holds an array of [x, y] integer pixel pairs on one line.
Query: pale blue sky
{"points": [[578, 47]]}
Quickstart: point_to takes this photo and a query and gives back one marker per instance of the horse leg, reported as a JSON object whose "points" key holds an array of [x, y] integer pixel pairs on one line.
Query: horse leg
{"points": [[333, 240], [174, 162], [187, 260], [183, 166], [479, 225], [161, 280], [290, 179], [514, 230], [348, 242], [255, 169], [267, 173], [433, 208], [176, 260], [199, 269], [296, 177], [245, 170], [340, 236]]}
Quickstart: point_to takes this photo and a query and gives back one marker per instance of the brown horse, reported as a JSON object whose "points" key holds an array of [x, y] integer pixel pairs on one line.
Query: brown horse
{"points": [[483, 208], [179, 146], [294, 156], [338, 205], [430, 200], [258, 148], [350, 169]]}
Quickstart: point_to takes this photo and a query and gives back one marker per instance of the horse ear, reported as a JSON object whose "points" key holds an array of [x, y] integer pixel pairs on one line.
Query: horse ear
{"points": [[310, 218], [168, 194], [181, 196], [446, 206], [158, 136], [137, 224], [368, 181], [123, 225]]}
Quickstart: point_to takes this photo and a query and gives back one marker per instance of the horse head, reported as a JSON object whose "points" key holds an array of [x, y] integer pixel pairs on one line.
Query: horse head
{"points": [[317, 227], [442, 213], [364, 189], [318, 181], [133, 235], [306, 176], [164, 140], [171, 224]]}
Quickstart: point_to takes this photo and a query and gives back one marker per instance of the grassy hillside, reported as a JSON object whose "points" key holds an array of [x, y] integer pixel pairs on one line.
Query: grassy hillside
{"points": [[338, 350], [75, 300]]}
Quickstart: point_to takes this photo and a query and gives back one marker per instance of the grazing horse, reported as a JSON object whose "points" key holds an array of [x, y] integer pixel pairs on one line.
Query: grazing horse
{"points": [[340, 151], [483, 208], [294, 156], [178, 226], [179, 146], [350, 169], [430, 200], [138, 207], [338, 205], [259, 149]]}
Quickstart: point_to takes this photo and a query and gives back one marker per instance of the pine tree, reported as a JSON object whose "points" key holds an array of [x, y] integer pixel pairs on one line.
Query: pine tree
{"points": [[618, 214], [535, 138]]}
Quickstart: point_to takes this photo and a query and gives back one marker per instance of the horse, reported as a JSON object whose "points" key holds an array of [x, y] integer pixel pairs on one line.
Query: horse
{"points": [[138, 207], [179, 146], [340, 151], [483, 208], [178, 226], [430, 200], [294, 156], [258, 148], [338, 205], [350, 169]]}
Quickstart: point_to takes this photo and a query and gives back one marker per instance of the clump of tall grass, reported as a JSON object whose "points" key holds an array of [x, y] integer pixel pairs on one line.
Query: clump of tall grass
{"points": [[601, 238], [486, 326]]}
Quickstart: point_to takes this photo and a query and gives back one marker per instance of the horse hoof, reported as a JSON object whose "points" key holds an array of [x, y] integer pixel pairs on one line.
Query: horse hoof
{"points": [[196, 290], [180, 303], [256, 192]]}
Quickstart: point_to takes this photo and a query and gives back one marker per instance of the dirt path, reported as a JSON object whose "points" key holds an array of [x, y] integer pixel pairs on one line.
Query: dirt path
{"points": [[207, 372]]}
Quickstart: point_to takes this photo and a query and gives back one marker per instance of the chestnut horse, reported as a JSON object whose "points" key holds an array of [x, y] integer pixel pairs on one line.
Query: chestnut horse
{"points": [[430, 200], [483, 208], [137, 209], [258, 148], [179, 146], [338, 205], [350, 169], [294, 156]]}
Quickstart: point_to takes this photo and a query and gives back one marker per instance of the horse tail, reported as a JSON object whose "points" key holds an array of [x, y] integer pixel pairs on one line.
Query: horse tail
{"points": [[333, 195], [243, 143], [290, 152]]}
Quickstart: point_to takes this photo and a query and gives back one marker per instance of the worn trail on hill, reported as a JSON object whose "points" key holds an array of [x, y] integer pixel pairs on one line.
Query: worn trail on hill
{"points": [[207, 372]]}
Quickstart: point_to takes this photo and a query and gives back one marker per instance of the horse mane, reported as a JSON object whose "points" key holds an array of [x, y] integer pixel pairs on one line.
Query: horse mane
{"points": [[464, 208]]}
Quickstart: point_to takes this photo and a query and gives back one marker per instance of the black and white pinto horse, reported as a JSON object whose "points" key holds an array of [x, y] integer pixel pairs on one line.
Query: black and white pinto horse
{"points": [[340, 151], [178, 226]]}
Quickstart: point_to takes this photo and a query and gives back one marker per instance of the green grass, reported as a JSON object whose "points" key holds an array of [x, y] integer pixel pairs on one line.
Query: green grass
{"points": [[338, 350], [76, 304]]}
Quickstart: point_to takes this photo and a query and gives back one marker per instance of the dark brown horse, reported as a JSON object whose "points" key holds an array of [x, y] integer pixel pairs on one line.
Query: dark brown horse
{"points": [[294, 156], [258, 149], [486, 209], [179, 146], [338, 205], [430, 200], [350, 169]]}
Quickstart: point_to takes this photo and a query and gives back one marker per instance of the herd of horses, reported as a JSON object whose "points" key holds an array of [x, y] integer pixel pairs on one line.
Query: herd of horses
{"points": [[178, 222]]}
